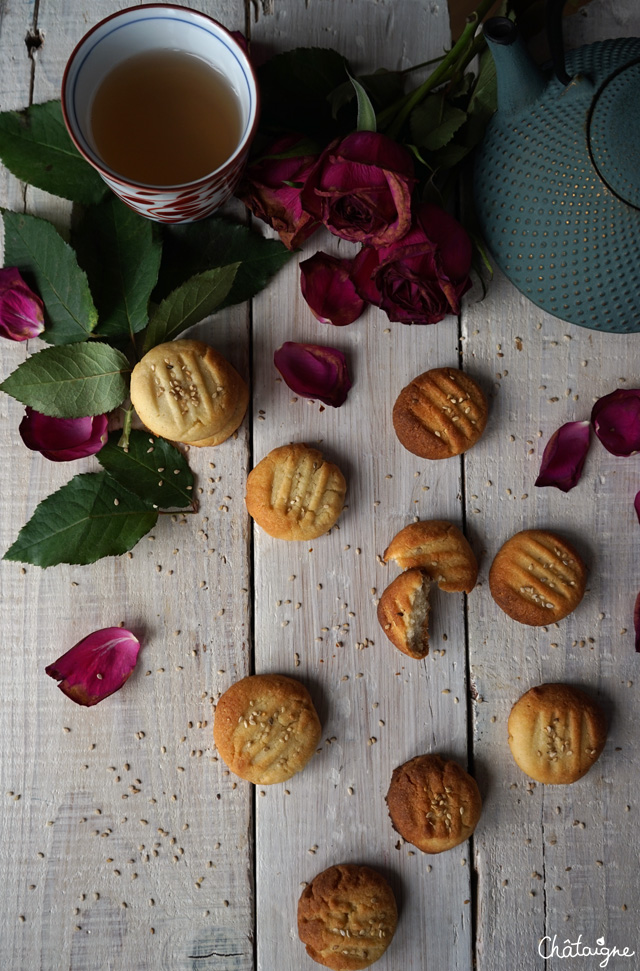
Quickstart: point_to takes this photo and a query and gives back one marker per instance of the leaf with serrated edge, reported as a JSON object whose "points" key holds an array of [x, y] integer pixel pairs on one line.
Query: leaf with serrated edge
{"points": [[36, 147], [151, 468], [50, 265], [195, 299], [71, 382], [90, 517]]}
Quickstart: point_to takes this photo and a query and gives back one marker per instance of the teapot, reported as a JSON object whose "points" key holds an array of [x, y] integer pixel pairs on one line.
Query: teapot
{"points": [[557, 176]]}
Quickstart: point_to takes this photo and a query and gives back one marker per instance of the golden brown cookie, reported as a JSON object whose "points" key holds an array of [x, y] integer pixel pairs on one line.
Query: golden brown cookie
{"points": [[266, 728], [347, 917], [537, 577], [441, 413], [438, 548], [294, 493], [403, 613], [556, 733], [187, 392], [433, 804]]}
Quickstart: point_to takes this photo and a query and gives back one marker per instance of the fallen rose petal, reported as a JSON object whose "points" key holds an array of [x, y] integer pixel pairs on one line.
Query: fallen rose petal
{"points": [[96, 666], [327, 287], [21, 310], [636, 622], [564, 456], [63, 439], [616, 421], [313, 371]]}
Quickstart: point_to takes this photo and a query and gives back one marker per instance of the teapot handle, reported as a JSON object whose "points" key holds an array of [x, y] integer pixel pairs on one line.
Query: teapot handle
{"points": [[556, 44]]}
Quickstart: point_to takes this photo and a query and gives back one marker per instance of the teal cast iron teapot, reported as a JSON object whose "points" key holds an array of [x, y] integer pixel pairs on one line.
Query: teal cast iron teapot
{"points": [[557, 177]]}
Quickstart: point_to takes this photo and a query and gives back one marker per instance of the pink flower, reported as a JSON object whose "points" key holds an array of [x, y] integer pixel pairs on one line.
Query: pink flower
{"points": [[422, 277], [313, 371], [328, 289], [271, 189], [63, 439], [616, 421], [360, 188], [96, 666], [564, 456], [21, 310]]}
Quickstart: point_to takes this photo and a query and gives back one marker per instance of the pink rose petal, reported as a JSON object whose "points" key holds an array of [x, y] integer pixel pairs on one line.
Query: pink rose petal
{"points": [[328, 289], [313, 371], [564, 456], [636, 622], [616, 421], [63, 439], [21, 310], [96, 666]]}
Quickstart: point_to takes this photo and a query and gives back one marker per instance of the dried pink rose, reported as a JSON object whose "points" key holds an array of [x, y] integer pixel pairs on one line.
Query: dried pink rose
{"points": [[327, 287], [564, 456], [63, 439], [636, 622], [96, 666], [21, 310], [616, 421], [313, 371]]}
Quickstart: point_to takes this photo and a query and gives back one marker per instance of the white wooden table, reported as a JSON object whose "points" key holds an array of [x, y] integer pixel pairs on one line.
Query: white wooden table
{"points": [[125, 843]]}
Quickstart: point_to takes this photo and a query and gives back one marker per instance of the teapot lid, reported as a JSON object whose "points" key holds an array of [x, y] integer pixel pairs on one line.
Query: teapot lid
{"points": [[614, 133]]}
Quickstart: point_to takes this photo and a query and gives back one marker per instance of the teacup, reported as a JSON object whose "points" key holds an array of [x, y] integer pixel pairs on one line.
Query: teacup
{"points": [[180, 168]]}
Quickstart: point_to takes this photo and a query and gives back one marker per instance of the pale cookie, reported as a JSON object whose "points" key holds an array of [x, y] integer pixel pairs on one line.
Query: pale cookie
{"points": [[403, 613], [294, 493], [556, 733], [347, 917], [266, 728], [440, 549], [187, 392], [441, 413], [433, 804], [537, 577]]}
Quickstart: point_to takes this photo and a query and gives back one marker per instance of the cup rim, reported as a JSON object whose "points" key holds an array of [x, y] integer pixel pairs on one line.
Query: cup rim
{"points": [[116, 177]]}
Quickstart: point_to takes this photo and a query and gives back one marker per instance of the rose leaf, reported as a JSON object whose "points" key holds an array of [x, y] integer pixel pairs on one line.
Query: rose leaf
{"points": [[151, 468], [366, 114]]}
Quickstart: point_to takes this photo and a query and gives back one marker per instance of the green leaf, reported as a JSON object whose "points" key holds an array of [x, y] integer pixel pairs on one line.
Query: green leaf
{"points": [[120, 251], [189, 303], [366, 114], [435, 122], [151, 468], [196, 247], [50, 265], [90, 517], [36, 147], [295, 87], [71, 382]]}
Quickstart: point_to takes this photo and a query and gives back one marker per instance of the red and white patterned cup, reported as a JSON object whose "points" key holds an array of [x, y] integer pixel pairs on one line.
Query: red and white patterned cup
{"points": [[160, 27]]}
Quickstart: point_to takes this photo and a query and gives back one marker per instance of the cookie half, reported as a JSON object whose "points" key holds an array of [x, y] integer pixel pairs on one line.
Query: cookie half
{"points": [[347, 917], [433, 803], [441, 413], [266, 728], [556, 733], [403, 613], [537, 577], [440, 549], [294, 493], [187, 392]]}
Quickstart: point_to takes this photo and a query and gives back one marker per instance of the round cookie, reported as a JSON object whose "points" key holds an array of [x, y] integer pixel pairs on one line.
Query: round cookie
{"points": [[556, 733], [440, 549], [433, 804], [441, 413], [347, 917], [537, 577], [266, 728], [403, 613], [187, 392], [294, 493]]}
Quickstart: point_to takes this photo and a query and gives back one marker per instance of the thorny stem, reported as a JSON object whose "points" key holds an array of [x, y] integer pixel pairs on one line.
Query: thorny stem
{"points": [[123, 441]]}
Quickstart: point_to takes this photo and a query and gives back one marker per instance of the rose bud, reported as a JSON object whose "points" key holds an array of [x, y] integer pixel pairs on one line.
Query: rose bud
{"points": [[564, 456], [360, 188], [422, 277], [314, 372], [96, 666], [271, 189], [21, 310], [328, 289], [616, 421], [63, 439]]}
